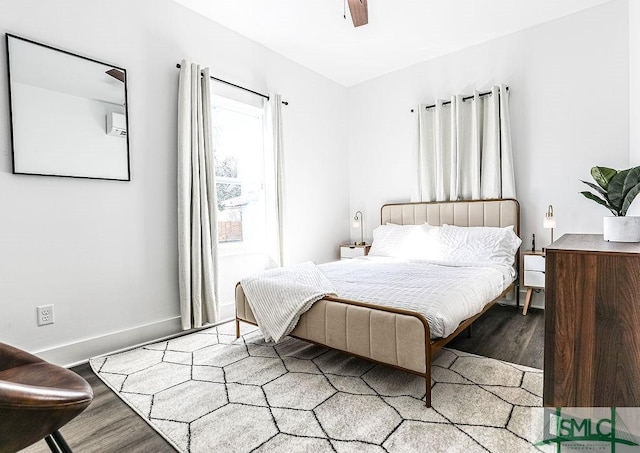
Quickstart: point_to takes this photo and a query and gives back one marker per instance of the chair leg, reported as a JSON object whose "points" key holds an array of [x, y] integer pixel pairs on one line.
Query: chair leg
{"points": [[56, 443], [52, 444], [64, 446], [237, 328]]}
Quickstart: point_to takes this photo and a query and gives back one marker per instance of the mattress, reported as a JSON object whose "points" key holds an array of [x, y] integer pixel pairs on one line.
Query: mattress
{"points": [[445, 293]]}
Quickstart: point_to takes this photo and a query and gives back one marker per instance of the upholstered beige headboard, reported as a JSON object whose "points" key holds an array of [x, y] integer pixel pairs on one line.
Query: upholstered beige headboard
{"points": [[495, 213]]}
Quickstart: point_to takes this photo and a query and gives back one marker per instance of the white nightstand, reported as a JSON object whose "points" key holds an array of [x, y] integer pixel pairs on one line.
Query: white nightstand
{"points": [[534, 263], [349, 251]]}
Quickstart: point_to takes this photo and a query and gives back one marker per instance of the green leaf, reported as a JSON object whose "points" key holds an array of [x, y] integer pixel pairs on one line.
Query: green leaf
{"points": [[632, 179], [603, 175], [599, 200], [631, 195], [616, 190], [597, 188]]}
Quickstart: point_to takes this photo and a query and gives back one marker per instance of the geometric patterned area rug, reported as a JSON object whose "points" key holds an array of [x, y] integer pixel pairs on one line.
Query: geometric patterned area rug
{"points": [[210, 392]]}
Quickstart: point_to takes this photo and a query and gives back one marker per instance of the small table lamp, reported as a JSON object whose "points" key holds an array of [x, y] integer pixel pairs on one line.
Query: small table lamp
{"points": [[549, 220], [357, 222]]}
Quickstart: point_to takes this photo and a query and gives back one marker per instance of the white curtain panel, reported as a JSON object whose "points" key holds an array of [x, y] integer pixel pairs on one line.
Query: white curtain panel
{"points": [[508, 171], [443, 151], [490, 167], [465, 148], [468, 151], [426, 154], [275, 173], [197, 208]]}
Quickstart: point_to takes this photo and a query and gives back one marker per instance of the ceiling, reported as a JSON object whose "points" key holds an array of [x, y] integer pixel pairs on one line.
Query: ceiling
{"points": [[400, 33]]}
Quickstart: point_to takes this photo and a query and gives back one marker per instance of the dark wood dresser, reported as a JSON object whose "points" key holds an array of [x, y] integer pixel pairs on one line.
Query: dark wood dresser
{"points": [[592, 323]]}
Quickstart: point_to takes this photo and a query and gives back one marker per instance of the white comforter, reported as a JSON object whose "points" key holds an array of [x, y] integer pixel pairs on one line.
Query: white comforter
{"points": [[279, 296], [446, 293]]}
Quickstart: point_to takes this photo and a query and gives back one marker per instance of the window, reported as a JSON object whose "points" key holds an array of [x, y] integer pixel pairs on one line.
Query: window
{"points": [[238, 135], [245, 189]]}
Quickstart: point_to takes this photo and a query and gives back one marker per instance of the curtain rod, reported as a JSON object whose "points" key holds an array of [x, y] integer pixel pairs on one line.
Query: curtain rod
{"points": [[238, 86], [465, 98]]}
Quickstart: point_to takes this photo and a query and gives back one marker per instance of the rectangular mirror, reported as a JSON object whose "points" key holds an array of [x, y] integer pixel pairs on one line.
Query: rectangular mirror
{"points": [[68, 113]]}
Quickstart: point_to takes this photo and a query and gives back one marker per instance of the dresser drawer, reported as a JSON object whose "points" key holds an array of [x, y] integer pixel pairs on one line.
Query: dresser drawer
{"points": [[534, 263], [534, 279]]}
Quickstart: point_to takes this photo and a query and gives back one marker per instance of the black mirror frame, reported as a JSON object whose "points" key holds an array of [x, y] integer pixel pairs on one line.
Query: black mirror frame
{"points": [[11, 129]]}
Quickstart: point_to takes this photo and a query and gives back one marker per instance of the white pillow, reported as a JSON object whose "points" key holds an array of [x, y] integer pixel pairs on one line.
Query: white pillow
{"points": [[479, 244], [406, 241]]}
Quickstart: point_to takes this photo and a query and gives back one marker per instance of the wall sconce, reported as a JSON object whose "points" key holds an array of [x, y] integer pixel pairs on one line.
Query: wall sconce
{"points": [[357, 222], [549, 220]]}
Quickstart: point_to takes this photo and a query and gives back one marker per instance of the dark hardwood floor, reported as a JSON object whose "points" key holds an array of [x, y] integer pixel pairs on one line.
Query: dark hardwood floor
{"points": [[504, 334], [109, 425]]}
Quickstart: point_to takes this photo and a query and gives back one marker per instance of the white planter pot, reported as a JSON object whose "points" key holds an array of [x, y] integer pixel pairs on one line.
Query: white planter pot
{"points": [[622, 229]]}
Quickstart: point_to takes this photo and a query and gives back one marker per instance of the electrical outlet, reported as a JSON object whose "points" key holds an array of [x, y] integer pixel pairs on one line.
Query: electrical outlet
{"points": [[45, 314]]}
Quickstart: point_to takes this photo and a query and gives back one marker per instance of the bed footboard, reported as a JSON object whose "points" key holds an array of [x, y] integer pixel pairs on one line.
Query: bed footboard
{"points": [[394, 337]]}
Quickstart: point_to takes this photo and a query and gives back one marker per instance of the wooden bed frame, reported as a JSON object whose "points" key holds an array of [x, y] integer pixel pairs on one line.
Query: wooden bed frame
{"points": [[392, 336]]}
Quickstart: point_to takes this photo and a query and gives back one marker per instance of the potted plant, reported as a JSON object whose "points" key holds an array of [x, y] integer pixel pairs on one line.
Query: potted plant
{"points": [[616, 190]]}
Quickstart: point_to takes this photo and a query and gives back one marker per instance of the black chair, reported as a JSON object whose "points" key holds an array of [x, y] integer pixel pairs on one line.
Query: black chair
{"points": [[37, 398]]}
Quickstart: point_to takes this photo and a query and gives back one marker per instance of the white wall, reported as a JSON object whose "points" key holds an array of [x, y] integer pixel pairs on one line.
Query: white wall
{"points": [[104, 252], [634, 91], [569, 83], [634, 82]]}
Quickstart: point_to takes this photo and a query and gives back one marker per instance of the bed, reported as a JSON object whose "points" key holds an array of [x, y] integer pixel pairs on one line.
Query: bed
{"points": [[392, 336]]}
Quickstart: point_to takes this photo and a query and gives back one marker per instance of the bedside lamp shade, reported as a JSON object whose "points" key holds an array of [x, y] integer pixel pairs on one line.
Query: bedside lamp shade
{"points": [[357, 222], [549, 221]]}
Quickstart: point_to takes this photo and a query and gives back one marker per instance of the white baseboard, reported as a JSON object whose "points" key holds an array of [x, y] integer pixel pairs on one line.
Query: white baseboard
{"points": [[72, 354]]}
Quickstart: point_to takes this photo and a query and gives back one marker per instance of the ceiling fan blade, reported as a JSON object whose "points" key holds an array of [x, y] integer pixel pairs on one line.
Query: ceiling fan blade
{"points": [[116, 74], [359, 12]]}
